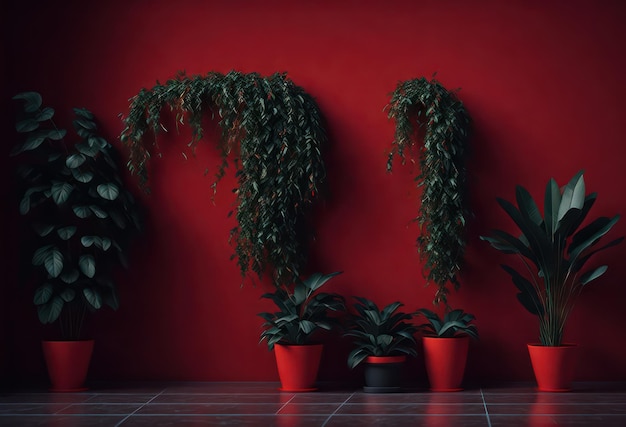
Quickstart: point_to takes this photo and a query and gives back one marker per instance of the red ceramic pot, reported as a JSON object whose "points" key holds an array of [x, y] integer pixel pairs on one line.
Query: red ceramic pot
{"points": [[68, 363], [445, 361], [553, 366], [298, 366]]}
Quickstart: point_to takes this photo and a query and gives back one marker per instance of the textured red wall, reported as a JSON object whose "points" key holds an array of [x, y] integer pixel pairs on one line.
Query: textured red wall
{"points": [[543, 82]]}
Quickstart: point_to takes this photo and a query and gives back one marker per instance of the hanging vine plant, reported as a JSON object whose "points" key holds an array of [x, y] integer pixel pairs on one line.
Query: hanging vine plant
{"points": [[443, 213], [275, 131]]}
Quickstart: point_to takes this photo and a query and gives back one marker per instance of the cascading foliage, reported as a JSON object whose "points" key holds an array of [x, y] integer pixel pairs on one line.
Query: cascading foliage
{"points": [[276, 131], [443, 213]]}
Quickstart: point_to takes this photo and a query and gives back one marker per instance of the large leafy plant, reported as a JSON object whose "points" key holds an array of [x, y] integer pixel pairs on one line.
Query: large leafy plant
{"points": [[444, 211], [73, 198], [274, 131], [454, 323], [378, 332], [302, 311], [553, 249]]}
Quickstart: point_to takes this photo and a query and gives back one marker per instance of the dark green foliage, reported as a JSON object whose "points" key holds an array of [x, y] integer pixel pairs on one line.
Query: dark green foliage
{"points": [[82, 217], [557, 249], [443, 212], [379, 332], [275, 129], [454, 323], [302, 311]]}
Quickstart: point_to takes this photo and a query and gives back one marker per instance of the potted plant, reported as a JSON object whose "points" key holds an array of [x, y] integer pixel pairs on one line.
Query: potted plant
{"points": [[382, 340], [273, 131], [446, 343], [444, 212], [73, 198], [302, 313], [553, 249]]}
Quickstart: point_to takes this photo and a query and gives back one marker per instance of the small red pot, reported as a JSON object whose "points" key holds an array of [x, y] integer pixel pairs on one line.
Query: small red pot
{"points": [[298, 366], [445, 361], [68, 363], [553, 366]]}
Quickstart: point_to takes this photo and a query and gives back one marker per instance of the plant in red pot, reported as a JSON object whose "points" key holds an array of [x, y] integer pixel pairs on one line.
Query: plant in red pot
{"points": [[303, 311], [446, 343], [82, 219], [382, 340], [553, 250]]}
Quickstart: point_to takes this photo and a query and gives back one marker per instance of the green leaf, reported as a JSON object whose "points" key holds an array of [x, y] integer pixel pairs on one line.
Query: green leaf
{"points": [[93, 297], [50, 311], [56, 134], [108, 191], [573, 195], [39, 256], [87, 264], [43, 229], [43, 294], [84, 123], [66, 233], [61, 192], [84, 113], [99, 212], [45, 114], [53, 262], [88, 149], [32, 101], [68, 294], [592, 275], [88, 241], [82, 211], [26, 125], [82, 176], [70, 276], [75, 160]]}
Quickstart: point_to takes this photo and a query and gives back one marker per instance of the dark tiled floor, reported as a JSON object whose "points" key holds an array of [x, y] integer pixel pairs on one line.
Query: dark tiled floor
{"points": [[261, 404]]}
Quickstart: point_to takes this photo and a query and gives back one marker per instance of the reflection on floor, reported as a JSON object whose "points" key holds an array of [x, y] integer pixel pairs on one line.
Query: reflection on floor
{"points": [[261, 404]]}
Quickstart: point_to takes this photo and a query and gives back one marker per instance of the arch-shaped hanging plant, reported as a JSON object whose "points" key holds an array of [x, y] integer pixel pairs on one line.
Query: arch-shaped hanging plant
{"points": [[443, 213], [274, 128]]}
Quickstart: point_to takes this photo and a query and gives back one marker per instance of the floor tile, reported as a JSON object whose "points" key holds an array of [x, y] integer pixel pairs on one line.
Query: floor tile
{"points": [[557, 408], [31, 408], [210, 408], [59, 421], [100, 408], [411, 409], [121, 398], [557, 420], [425, 398], [223, 398], [309, 408], [240, 420], [408, 420]]}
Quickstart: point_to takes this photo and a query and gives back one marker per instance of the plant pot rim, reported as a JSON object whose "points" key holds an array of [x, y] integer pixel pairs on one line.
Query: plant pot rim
{"points": [[385, 359], [457, 337], [564, 345], [68, 341], [298, 345]]}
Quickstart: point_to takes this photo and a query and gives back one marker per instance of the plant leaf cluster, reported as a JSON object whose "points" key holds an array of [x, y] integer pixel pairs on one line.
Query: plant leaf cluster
{"points": [[553, 248], [74, 199], [379, 332], [443, 213], [454, 323], [302, 311], [276, 131]]}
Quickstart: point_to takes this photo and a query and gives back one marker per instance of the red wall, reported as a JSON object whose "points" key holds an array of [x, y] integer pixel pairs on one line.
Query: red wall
{"points": [[543, 82]]}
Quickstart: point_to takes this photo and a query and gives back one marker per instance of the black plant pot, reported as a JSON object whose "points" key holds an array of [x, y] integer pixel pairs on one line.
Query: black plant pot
{"points": [[384, 374]]}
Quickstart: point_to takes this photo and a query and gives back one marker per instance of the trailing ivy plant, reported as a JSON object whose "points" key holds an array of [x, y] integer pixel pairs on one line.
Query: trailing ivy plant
{"points": [[275, 131], [73, 197], [443, 213]]}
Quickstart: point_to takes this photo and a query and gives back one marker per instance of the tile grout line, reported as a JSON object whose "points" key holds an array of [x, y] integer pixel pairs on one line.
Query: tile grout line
{"points": [[338, 408], [482, 395], [285, 404], [141, 407]]}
